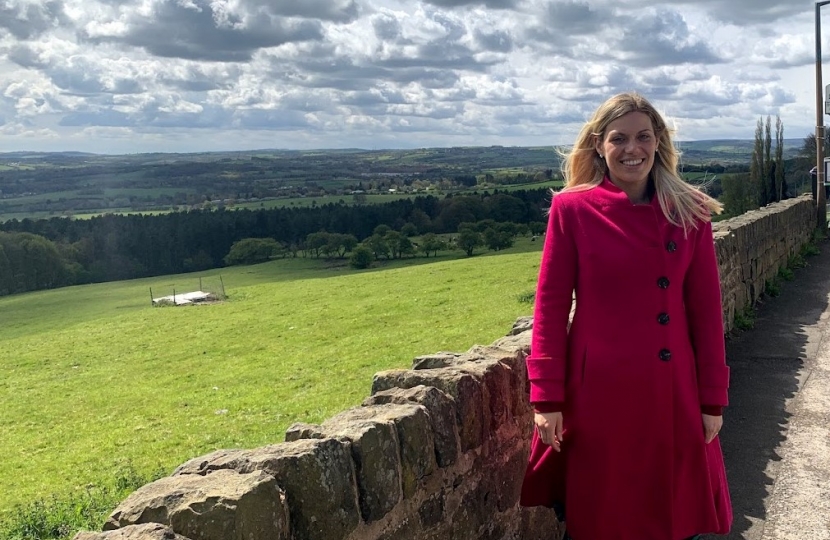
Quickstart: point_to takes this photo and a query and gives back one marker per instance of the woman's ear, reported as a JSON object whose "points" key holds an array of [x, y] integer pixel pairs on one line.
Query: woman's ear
{"points": [[598, 144]]}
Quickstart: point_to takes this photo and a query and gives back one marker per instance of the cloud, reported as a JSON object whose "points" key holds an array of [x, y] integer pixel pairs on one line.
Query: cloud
{"points": [[785, 51], [492, 4], [213, 31], [326, 10], [409, 73], [28, 20], [670, 42]]}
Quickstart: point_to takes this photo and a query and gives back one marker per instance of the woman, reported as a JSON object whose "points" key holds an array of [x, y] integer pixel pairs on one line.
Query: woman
{"points": [[628, 397]]}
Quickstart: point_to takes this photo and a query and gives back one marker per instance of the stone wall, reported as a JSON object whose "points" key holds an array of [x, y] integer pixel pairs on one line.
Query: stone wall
{"points": [[436, 452], [752, 248]]}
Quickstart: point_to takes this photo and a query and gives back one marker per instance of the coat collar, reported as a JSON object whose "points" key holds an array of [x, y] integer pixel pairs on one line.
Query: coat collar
{"points": [[610, 194]]}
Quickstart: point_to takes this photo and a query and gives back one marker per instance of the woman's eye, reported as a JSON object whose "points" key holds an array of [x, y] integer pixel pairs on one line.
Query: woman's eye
{"points": [[645, 137]]}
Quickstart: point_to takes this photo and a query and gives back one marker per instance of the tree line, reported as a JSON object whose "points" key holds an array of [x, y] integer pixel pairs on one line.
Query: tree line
{"points": [[42, 254]]}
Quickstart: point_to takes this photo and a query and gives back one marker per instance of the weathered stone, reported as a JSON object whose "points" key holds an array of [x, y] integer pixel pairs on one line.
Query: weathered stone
{"points": [[539, 523], [393, 449], [497, 394], [225, 505], [300, 430], [145, 531], [435, 361], [441, 410], [431, 511], [464, 388], [317, 475], [477, 508], [517, 342], [522, 324]]}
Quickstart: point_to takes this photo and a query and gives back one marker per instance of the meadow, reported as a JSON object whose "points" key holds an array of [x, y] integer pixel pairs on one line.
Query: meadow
{"points": [[95, 379]]}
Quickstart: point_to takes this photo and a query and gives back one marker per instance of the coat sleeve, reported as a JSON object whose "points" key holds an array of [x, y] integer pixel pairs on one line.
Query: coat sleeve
{"points": [[554, 293], [702, 297]]}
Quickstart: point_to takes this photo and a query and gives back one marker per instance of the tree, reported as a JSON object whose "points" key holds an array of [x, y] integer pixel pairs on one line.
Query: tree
{"points": [[377, 245], [409, 229], [738, 194], [767, 172], [432, 243], [497, 240], [252, 250], [362, 257], [317, 242], [780, 181], [468, 240]]}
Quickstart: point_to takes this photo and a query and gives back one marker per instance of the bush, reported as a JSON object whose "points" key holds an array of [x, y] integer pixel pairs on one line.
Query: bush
{"points": [[59, 518], [362, 257]]}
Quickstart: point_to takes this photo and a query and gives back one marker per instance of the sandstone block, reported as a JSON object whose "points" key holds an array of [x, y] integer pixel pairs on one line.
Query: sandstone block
{"points": [[441, 411], [145, 531], [317, 475], [522, 324], [393, 449], [225, 505], [465, 389]]}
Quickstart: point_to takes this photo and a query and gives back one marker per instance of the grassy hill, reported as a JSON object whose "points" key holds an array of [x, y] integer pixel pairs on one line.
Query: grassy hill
{"points": [[96, 378]]}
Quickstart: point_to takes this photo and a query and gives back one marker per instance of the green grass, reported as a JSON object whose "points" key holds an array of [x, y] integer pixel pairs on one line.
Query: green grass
{"points": [[94, 377]]}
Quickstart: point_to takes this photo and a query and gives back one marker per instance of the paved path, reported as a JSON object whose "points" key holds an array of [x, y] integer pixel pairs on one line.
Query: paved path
{"points": [[776, 435]]}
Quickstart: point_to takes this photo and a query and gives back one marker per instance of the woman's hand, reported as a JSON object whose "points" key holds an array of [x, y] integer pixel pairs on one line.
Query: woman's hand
{"points": [[711, 427], [549, 427]]}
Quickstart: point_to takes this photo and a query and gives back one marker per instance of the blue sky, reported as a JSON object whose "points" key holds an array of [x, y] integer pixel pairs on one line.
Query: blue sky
{"points": [[123, 76]]}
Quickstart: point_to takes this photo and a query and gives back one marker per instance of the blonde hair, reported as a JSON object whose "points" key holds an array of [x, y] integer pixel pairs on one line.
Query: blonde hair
{"points": [[683, 205]]}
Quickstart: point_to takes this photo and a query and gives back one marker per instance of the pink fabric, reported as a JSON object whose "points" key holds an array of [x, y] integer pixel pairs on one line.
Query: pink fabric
{"points": [[644, 351]]}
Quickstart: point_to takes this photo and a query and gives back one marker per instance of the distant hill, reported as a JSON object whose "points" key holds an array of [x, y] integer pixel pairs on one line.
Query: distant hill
{"points": [[728, 151]]}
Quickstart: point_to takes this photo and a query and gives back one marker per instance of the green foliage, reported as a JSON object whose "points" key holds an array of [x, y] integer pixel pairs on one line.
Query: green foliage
{"points": [[745, 319], [59, 518], [527, 297], [738, 195], [30, 262], [767, 169], [409, 230], [810, 249], [431, 243], [786, 273], [772, 288], [362, 257], [796, 261], [468, 240], [253, 250]]}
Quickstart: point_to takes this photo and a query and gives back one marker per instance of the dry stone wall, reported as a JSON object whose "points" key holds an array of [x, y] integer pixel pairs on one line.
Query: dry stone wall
{"points": [[751, 249], [436, 452]]}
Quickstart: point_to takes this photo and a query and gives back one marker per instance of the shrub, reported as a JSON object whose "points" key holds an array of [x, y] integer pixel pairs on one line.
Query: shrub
{"points": [[362, 257]]}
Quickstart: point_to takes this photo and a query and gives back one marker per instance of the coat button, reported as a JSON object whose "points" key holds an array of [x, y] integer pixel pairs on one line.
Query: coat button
{"points": [[663, 283], [665, 355], [671, 246], [663, 318]]}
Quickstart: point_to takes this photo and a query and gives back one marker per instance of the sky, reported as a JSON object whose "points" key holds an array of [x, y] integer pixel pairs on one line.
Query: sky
{"points": [[132, 76]]}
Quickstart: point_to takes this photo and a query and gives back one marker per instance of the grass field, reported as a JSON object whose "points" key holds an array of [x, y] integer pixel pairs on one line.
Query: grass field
{"points": [[95, 378]]}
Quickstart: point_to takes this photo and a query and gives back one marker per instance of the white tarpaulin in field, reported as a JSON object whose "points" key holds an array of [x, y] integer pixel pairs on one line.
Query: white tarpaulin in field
{"points": [[183, 299]]}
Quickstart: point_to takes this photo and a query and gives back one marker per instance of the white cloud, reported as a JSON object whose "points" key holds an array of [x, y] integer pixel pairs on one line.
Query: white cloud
{"points": [[178, 74]]}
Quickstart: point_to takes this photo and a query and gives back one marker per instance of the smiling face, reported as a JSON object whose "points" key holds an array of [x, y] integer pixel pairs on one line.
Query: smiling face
{"points": [[628, 146]]}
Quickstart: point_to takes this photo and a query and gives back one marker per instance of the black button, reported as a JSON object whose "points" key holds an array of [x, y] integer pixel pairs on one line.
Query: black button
{"points": [[663, 283], [665, 355], [663, 318], [671, 246]]}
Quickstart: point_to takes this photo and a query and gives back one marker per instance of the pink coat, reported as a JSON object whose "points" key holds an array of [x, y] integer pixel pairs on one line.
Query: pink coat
{"points": [[644, 352]]}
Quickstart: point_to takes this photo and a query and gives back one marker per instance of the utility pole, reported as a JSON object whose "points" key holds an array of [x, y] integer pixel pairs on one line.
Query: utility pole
{"points": [[821, 203]]}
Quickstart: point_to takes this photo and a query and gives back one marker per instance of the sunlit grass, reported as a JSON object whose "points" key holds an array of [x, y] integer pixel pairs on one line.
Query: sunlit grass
{"points": [[94, 377]]}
